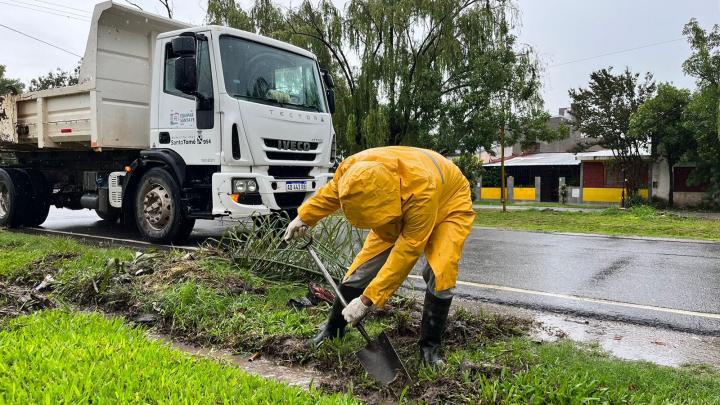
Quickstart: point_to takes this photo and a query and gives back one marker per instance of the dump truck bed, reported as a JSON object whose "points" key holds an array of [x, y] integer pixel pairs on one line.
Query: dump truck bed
{"points": [[110, 107]]}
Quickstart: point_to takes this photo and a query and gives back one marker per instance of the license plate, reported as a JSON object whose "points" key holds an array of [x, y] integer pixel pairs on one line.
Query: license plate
{"points": [[296, 186]]}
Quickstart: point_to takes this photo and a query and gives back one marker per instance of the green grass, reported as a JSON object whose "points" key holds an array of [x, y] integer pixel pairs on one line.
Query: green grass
{"points": [[59, 357], [242, 321], [567, 373], [24, 256], [639, 221]]}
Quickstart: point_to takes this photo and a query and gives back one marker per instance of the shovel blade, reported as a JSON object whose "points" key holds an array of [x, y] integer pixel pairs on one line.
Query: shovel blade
{"points": [[381, 361]]}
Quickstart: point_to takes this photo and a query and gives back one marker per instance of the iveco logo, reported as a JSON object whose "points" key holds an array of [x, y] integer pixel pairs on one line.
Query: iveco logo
{"points": [[293, 145]]}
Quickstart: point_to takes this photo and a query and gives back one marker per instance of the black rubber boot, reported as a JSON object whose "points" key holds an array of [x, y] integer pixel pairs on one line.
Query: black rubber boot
{"points": [[335, 326], [435, 314]]}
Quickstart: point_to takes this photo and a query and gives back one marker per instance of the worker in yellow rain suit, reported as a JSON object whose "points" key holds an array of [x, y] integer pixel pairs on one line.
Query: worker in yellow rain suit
{"points": [[413, 200]]}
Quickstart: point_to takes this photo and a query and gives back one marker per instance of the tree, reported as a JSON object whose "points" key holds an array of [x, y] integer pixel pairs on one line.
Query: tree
{"points": [[9, 85], [704, 62], [703, 111], [58, 78], [700, 121], [661, 119], [471, 166], [603, 110], [407, 72], [164, 3]]}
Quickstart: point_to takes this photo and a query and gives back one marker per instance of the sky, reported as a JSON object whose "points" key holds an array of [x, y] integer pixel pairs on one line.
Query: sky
{"points": [[571, 37]]}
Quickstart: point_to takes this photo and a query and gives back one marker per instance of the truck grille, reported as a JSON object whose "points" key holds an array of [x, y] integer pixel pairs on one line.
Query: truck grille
{"points": [[290, 172], [306, 157]]}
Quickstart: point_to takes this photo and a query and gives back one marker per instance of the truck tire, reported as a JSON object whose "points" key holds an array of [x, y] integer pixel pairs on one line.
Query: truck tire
{"points": [[15, 191], [39, 204], [158, 208], [110, 216]]}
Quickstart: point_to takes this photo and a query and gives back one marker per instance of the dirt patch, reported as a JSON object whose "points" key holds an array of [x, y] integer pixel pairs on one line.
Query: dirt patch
{"points": [[17, 300], [287, 349], [38, 269], [464, 328], [156, 272]]}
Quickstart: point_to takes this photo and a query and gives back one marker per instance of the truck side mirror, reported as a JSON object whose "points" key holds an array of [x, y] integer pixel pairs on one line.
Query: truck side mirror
{"points": [[327, 78], [184, 48], [186, 74], [184, 45], [330, 94]]}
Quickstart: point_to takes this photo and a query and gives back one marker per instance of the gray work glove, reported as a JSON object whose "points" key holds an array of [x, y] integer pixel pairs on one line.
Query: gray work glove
{"points": [[295, 230]]}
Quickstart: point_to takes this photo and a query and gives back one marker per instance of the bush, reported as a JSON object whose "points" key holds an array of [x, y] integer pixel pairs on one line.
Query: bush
{"points": [[471, 166], [633, 200], [659, 203]]}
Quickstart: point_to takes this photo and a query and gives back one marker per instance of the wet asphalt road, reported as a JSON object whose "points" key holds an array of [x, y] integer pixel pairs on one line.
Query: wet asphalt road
{"points": [[673, 284]]}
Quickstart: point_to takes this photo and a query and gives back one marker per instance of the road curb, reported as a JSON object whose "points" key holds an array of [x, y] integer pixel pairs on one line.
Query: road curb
{"points": [[105, 241]]}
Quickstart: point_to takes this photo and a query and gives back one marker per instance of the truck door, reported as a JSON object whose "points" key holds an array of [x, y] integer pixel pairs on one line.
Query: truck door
{"points": [[189, 124]]}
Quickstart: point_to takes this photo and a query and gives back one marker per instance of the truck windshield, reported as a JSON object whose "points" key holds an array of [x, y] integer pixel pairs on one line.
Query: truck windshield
{"points": [[264, 74]]}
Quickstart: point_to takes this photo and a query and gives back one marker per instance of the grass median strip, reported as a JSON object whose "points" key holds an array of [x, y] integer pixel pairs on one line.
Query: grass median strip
{"points": [[60, 357], [639, 221], [208, 300]]}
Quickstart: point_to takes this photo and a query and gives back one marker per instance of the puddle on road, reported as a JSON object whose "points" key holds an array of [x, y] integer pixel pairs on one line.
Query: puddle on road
{"points": [[623, 340], [632, 342], [297, 376]]}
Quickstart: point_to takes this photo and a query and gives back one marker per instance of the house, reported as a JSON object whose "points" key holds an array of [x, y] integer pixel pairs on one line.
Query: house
{"points": [[602, 181], [574, 170], [536, 177]]}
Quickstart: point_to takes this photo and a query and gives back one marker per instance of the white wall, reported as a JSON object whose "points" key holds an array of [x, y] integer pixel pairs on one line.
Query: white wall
{"points": [[661, 178]]}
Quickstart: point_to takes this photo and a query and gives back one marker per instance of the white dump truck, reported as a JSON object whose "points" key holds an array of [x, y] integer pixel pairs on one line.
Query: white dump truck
{"points": [[169, 123]]}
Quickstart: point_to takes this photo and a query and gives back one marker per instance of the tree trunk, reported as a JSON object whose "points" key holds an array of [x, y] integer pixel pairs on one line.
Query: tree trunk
{"points": [[671, 197]]}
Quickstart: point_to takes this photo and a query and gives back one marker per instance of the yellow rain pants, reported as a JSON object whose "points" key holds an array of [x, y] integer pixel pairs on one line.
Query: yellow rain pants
{"points": [[413, 200]]}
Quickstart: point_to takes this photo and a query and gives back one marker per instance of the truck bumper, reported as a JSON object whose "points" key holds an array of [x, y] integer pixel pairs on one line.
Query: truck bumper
{"points": [[272, 194]]}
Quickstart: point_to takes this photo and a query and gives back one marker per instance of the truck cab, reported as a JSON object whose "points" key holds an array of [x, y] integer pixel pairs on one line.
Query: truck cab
{"points": [[253, 108], [170, 123]]}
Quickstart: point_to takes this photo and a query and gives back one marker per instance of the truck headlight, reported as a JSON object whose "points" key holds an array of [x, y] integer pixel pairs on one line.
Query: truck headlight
{"points": [[251, 186], [240, 186]]}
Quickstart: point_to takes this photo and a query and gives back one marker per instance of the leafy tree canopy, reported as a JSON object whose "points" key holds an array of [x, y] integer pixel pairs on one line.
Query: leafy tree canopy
{"points": [[603, 111], [704, 62], [443, 74], [58, 78], [703, 112], [7, 85], [661, 119]]}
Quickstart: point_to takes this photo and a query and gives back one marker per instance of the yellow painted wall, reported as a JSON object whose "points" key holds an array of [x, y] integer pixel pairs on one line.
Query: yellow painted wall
{"points": [[490, 193], [524, 193], [608, 194]]}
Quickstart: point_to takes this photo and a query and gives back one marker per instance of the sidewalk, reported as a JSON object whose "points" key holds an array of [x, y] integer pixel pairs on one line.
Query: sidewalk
{"points": [[590, 208], [536, 207]]}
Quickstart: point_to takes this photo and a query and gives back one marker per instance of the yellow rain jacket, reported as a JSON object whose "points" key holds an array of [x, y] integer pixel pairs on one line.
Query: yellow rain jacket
{"points": [[413, 200]]}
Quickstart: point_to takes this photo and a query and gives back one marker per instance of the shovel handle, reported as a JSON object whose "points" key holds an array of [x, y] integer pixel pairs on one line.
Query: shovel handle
{"points": [[326, 274], [359, 326]]}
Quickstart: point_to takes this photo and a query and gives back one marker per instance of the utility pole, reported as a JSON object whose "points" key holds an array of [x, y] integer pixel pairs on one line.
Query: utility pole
{"points": [[502, 168]]}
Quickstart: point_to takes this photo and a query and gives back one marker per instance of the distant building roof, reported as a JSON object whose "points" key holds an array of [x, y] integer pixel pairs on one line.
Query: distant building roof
{"points": [[606, 154], [540, 159]]}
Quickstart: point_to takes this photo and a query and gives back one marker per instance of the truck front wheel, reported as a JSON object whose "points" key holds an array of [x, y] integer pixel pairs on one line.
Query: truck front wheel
{"points": [[14, 196], [158, 208]]}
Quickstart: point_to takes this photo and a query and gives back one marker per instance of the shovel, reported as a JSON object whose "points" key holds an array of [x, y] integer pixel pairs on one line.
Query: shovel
{"points": [[378, 357]]}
